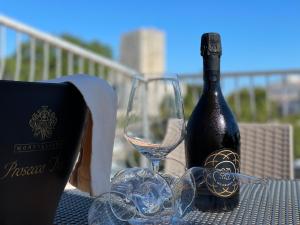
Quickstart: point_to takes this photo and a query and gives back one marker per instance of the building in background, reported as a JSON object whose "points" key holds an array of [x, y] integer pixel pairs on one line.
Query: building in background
{"points": [[144, 51]]}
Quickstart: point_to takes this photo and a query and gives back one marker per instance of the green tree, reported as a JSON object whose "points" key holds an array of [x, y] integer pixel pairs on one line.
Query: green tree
{"points": [[10, 62], [190, 99], [245, 115], [262, 115], [94, 46]]}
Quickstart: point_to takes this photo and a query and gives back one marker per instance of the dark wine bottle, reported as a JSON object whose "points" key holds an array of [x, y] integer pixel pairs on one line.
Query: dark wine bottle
{"points": [[213, 138]]}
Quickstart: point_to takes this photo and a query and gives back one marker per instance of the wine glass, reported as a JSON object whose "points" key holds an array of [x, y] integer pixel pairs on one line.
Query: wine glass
{"points": [[144, 190], [155, 118], [141, 196]]}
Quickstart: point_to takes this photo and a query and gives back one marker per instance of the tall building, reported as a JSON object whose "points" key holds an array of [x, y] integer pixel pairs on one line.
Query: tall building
{"points": [[144, 51]]}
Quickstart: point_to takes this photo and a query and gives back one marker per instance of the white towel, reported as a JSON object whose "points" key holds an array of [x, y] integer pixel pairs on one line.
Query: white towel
{"points": [[101, 100]]}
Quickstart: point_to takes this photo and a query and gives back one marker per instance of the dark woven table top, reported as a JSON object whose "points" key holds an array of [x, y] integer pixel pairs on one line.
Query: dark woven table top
{"points": [[280, 204]]}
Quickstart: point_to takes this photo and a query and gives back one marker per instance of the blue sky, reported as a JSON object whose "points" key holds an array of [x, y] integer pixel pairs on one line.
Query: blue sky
{"points": [[256, 35]]}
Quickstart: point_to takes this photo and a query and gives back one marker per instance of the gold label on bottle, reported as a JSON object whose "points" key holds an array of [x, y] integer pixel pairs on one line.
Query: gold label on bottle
{"points": [[222, 166]]}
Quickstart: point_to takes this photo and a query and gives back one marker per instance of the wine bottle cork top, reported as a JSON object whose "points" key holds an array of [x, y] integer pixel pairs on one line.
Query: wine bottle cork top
{"points": [[211, 44]]}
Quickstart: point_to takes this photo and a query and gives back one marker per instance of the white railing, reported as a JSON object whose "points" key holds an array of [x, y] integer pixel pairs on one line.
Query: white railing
{"points": [[59, 45], [280, 86]]}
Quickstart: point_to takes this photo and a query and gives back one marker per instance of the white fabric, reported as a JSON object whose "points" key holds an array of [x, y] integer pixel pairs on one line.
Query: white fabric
{"points": [[101, 99]]}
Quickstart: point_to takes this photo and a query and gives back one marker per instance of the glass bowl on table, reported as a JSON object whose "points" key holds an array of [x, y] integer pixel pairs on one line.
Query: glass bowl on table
{"points": [[150, 193]]}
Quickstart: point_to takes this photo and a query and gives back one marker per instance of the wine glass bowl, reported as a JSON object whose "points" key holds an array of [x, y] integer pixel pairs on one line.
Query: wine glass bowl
{"points": [[146, 197], [155, 119], [150, 194]]}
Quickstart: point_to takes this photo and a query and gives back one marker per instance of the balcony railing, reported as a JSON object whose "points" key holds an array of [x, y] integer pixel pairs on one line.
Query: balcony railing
{"points": [[281, 87], [21, 31]]}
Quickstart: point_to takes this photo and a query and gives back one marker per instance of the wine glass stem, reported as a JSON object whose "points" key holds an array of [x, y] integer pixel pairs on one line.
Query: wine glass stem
{"points": [[155, 165]]}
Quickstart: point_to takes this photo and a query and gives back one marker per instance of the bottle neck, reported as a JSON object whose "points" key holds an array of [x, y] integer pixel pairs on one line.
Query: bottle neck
{"points": [[211, 73]]}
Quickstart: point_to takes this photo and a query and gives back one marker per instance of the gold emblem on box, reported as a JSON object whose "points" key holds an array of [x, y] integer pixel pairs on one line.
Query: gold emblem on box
{"points": [[43, 122]]}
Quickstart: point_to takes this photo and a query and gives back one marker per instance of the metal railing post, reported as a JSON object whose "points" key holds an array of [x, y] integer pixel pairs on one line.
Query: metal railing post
{"points": [[100, 70], [237, 99], [46, 61], [91, 68], [18, 55], [81, 65], [58, 69], [70, 63], [32, 59], [252, 98], [2, 50], [268, 101], [285, 106]]}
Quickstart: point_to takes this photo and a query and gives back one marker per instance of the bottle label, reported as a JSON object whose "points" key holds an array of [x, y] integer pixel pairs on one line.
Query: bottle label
{"points": [[222, 167]]}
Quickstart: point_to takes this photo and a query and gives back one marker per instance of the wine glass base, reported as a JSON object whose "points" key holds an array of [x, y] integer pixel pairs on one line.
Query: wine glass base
{"points": [[160, 221]]}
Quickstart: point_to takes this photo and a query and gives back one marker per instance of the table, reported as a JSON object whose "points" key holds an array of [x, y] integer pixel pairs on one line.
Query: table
{"points": [[283, 196]]}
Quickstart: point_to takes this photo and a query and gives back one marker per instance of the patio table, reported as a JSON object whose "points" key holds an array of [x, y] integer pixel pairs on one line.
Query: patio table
{"points": [[284, 208]]}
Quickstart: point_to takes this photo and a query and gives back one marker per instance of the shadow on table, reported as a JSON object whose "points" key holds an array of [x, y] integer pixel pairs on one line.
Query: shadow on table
{"points": [[73, 208]]}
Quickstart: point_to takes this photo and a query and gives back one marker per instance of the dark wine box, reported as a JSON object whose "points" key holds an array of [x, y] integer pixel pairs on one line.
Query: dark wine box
{"points": [[41, 126]]}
